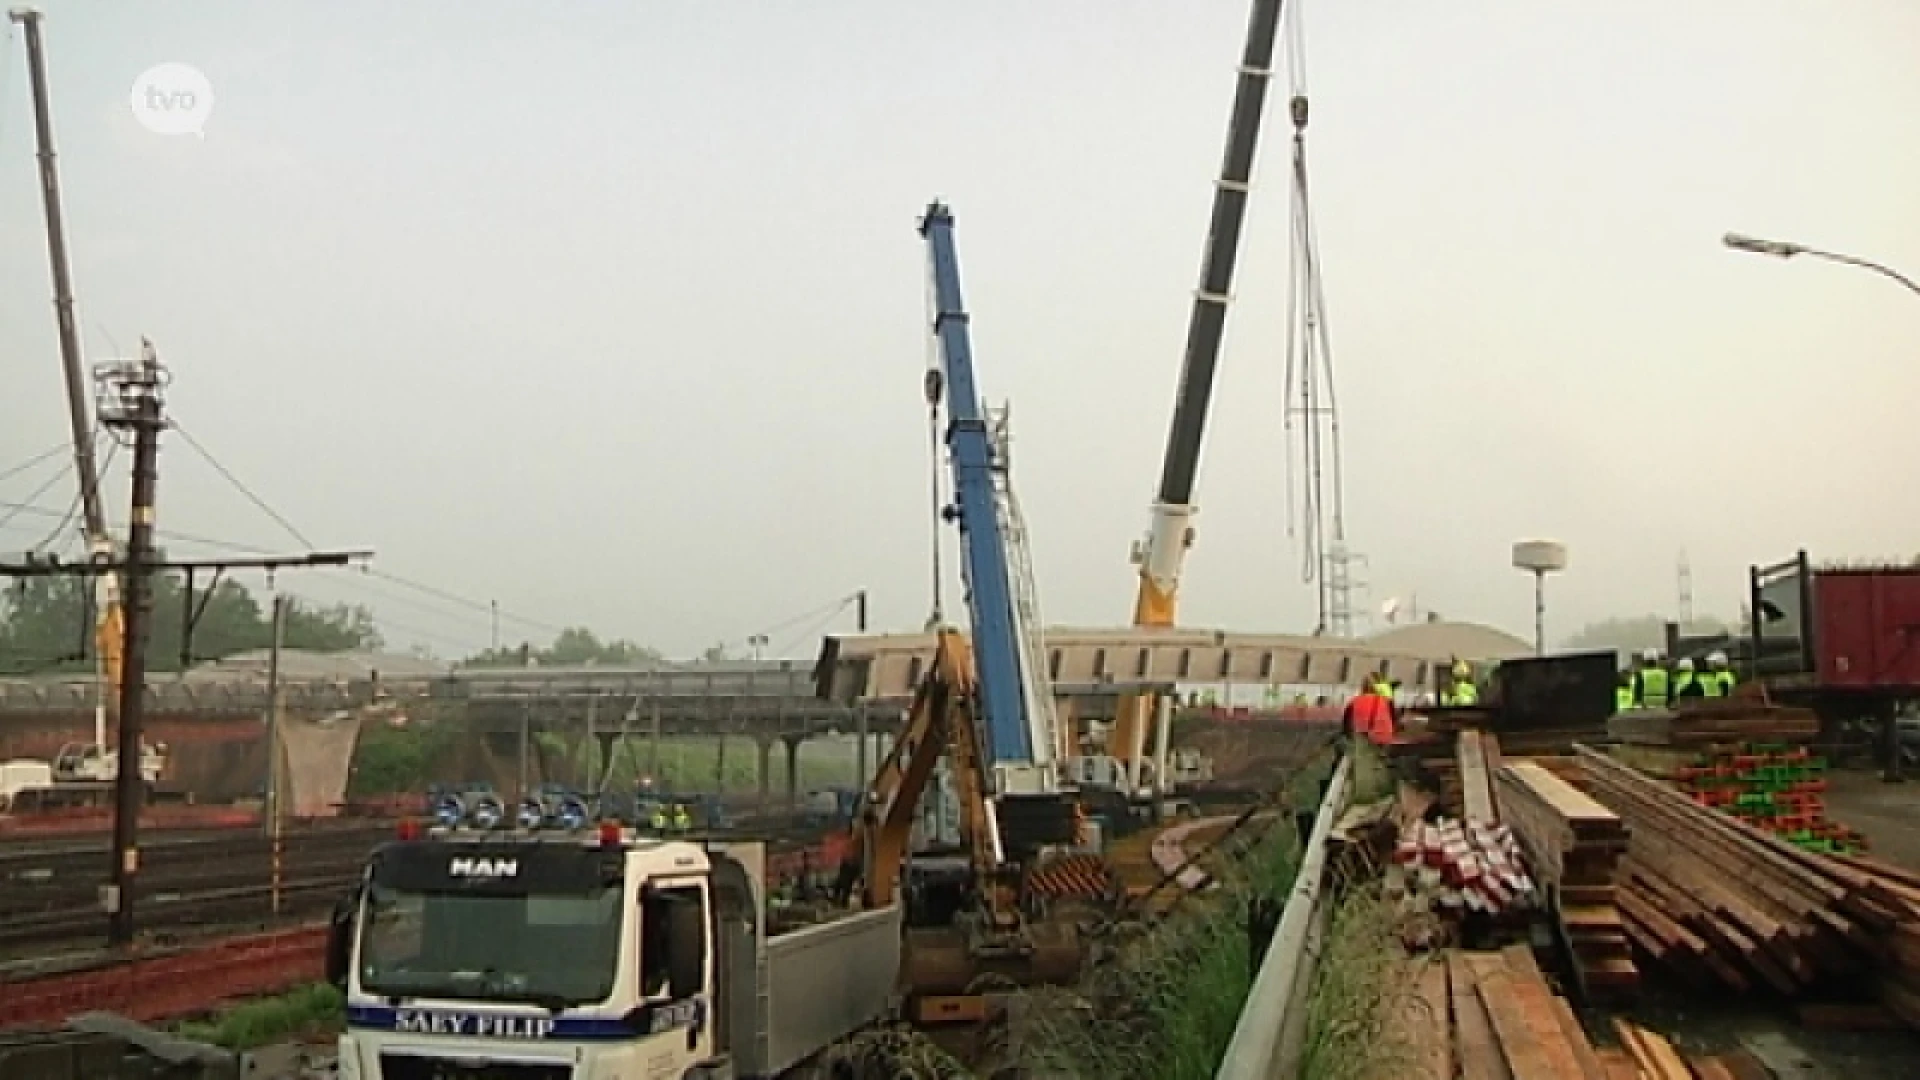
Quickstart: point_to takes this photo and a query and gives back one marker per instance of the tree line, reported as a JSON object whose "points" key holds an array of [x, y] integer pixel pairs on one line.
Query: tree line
{"points": [[47, 626]]}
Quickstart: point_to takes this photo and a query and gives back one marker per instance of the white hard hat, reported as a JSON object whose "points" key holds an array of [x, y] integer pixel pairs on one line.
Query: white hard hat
{"points": [[1650, 655], [1686, 663], [1717, 658]]}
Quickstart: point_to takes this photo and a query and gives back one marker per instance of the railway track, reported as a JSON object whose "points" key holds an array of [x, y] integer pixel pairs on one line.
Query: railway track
{"points": [[50, 899], [202, 885]]}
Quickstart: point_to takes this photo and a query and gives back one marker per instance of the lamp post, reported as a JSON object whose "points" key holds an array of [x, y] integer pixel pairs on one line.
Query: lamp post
{"points": [[1783, 250]]}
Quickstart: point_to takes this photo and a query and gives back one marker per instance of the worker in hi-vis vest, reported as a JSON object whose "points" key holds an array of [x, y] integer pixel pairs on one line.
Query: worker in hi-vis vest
{"points": [[1369, 715], [1686, 684], [1720, 678], [1461, 691], [1623, 691], [1651, 685]]}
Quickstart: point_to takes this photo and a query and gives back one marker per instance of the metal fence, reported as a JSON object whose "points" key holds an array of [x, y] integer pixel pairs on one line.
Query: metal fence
{"points": [[1260, 1048]]}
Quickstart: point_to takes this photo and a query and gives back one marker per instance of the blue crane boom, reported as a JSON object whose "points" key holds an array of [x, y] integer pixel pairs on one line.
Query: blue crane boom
{"points": [[996, 645]]}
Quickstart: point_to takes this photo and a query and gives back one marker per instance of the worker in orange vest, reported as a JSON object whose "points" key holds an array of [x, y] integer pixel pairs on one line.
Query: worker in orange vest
{"points": [[1370, 715]]}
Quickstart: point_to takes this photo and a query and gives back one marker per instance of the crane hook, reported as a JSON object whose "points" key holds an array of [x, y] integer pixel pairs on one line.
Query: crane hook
{"points": [[933, 385]]}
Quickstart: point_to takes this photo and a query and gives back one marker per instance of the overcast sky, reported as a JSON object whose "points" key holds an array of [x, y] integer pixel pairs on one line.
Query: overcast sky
{"points": [[614, 313]]}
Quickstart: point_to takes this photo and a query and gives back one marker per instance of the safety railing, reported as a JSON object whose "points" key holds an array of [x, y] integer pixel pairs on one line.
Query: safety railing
{"points": [[1277, 999]]}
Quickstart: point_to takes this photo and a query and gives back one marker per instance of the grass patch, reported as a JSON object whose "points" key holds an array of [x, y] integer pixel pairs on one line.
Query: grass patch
{"points": [[1356, 994], [1166, 1005], [313, 1010]]}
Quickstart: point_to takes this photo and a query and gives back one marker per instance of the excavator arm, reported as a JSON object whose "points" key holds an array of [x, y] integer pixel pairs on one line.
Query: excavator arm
{"points": [[940, 724], [991, 934]]}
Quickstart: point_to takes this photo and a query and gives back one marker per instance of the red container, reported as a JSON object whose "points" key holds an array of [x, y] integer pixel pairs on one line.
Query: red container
{"points": [[1866, 628]]}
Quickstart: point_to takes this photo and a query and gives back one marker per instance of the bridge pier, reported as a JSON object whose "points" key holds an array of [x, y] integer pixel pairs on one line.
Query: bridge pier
{"points": [[608, 741], [793, 769], [764, 773]]}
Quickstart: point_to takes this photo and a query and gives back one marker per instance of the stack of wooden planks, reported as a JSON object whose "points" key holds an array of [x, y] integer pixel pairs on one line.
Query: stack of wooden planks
{"points": [[1900, 978], [1714, 720], [1479, 757], [1574, 845], [1492, 1016], [1647, 1055], [1462, 866], [1721, 903]]}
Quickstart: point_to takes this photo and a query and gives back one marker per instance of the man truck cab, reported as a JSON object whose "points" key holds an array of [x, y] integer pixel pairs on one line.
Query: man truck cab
{"points": [[585, 953]]}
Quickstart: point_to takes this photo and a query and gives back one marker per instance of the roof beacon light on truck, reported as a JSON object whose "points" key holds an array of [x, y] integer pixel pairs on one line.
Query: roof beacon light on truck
{"points": [[479, 810], [572, 812], [568, 812], [486, 812]]}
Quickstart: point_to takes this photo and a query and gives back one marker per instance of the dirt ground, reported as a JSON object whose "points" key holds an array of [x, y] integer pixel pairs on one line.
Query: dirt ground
{"points": [[1255, 753], [1888, 814]]}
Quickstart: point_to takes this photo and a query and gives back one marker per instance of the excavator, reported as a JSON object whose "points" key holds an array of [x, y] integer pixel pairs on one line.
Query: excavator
{"points": [[1007, 909]]}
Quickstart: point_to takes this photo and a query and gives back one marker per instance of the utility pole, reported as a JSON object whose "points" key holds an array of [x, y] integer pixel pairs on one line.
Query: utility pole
{"points": [[274, 713], [132, 399], [275, 788], [493, 607]]}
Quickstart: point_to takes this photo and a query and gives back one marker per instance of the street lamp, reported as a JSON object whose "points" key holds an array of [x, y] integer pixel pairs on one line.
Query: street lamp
{"points": [[1784, 250]]}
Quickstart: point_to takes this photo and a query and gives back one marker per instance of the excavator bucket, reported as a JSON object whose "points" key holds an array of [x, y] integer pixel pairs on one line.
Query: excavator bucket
{"points": [[949, 961]]}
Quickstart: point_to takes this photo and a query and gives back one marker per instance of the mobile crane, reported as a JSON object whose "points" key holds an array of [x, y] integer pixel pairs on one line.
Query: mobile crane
{"points": [[1162, 553], [110, 626], [1002, 913]]}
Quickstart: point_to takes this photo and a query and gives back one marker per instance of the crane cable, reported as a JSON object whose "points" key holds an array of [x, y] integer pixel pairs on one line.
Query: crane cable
{"points": [[1309, 363], [1290, 36]]}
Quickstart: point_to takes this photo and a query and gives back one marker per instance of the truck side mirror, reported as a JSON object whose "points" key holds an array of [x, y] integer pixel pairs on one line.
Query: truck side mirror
{"points": [[687, 950], [340, 939]]}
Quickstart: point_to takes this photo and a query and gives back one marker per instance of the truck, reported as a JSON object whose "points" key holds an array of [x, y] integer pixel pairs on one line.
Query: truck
{"points": [[81, 774], [1842, 640], [586, 951], [1847, 630]]}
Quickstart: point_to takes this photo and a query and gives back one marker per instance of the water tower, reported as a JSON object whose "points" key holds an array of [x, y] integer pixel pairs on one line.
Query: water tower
{"points": [[1540, 558]]}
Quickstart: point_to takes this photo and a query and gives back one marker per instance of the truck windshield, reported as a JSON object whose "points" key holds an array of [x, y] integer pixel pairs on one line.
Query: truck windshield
{"points": [[554, 949]]}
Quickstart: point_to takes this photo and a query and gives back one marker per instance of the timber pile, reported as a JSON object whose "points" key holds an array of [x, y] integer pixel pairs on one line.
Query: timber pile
{"points": [[1462, 866], [1714, 720], [1647, 1055], [1774, 786], [1479, 758], [1493, 1015], [1487, 1015], [1723, 904], [1574, 845]]}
